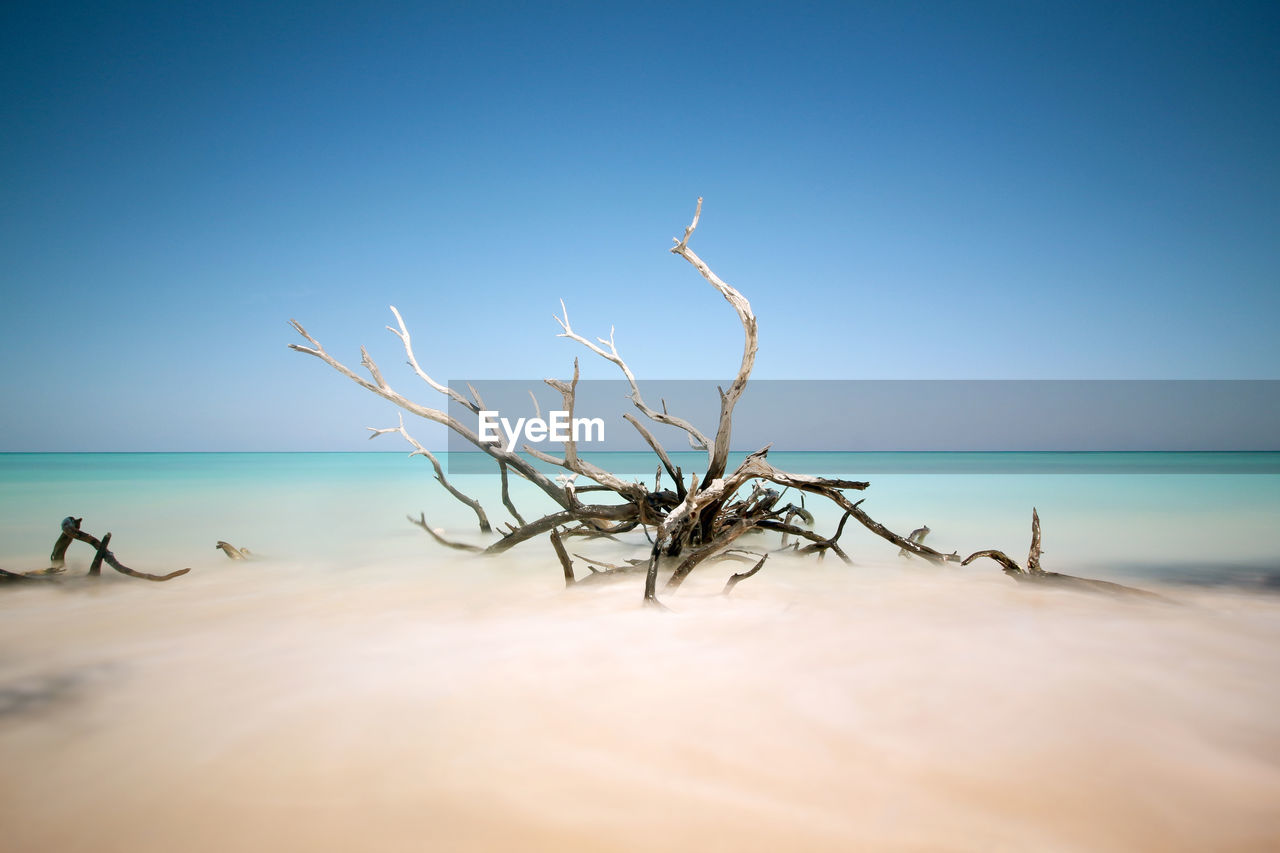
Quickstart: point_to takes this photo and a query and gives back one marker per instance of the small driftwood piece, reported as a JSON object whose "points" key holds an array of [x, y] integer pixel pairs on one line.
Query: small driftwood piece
{"points": [[567, 564], [421, 521], [232, 552], [71, 532], [602, 571], [42, 574], [1036, 575], [735, 579], [916, 536]]}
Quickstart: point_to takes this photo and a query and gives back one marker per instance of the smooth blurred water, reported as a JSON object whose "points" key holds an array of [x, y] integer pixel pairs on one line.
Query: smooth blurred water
{"points": [[358, 686], [1203, 517]]}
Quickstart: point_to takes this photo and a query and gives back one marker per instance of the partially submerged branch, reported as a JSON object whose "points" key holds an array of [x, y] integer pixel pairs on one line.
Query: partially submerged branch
{"points": [[563, 556], [232, 552], [71, 532], [734, 580], [419, 450], [421, 521], [1035, 574]]}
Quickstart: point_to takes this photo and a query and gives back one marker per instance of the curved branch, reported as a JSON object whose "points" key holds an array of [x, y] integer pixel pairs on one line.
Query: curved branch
{"points": [[750, 344], [617, 512], [563, 556], [386, 392], [71, 530], [672, 471], [1010, 565], [419, 450], [734, 580], [403, 334], [696, 438], [421, 521], [506, 494], [885, 533]]}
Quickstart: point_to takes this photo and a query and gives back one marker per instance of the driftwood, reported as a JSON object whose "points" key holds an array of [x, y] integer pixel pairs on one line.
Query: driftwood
{"points": [[71, 532], [692, 523], [734, 580], [1033, 574], [232, 552], [419, 450], [916, 536], [558, 544], [421, 521]]}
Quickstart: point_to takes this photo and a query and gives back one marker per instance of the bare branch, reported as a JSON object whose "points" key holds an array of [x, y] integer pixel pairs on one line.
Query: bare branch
{"points": [[617, 512], [565, 562], [672, 470], [382, 389], [734, 580], [1010, 565], [506, 494], [232, 552], [421, 521], [419, 450], [885, 533], [751, 343], [699, 441], [403, 334], [1033, 556], [1040, 576]]}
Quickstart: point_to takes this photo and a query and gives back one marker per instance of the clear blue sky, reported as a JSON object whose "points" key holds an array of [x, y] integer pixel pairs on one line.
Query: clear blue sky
{"points": [[903, 190]]}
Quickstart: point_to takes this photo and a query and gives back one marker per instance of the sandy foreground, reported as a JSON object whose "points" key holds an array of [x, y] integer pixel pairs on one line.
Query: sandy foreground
{"points": [[450, 703]]}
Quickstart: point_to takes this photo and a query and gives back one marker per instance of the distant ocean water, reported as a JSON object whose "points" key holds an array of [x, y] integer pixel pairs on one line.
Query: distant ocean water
{"points": [[1203, 517]]}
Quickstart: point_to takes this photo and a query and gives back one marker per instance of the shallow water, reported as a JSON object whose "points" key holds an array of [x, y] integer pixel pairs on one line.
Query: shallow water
{"points": [[357, 686]]}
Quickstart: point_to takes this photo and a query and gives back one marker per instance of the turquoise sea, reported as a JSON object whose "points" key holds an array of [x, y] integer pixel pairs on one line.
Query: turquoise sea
{"points": [[1197, 517]]}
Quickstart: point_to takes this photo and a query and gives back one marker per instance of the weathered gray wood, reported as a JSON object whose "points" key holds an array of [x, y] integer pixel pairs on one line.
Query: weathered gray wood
{"points": [[506, 495], [544, 524], [1033, 556], [916, 536], [71, 531], [58, 556], [1038, 575], [421, 521], [419, 450], [95, 568], [735, 579], [563, 556], [1010, 565], [672, 471], [232, 552]]}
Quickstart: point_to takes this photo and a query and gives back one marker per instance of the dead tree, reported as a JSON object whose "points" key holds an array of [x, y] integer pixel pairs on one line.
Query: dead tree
{"points": [[695, 521]]}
